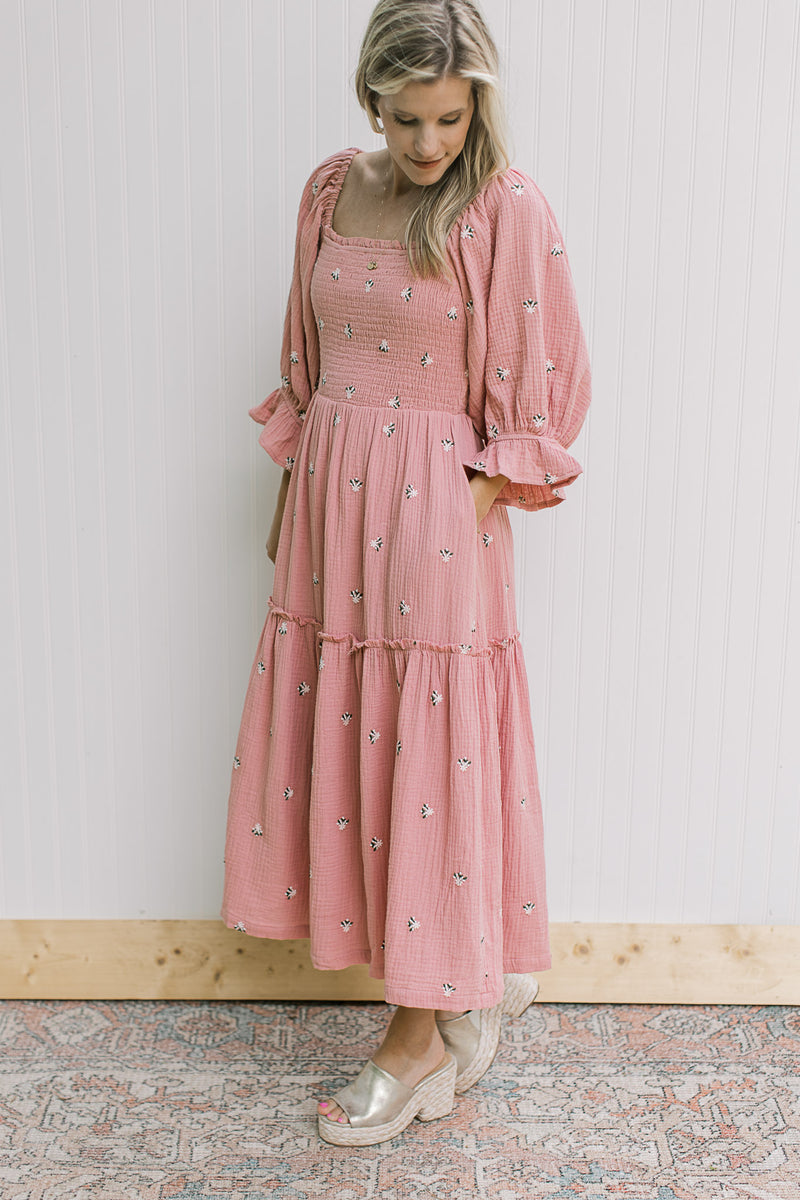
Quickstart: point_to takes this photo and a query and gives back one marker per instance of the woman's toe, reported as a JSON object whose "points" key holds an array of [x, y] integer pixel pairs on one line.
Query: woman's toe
{"points": [[333, 1112]]}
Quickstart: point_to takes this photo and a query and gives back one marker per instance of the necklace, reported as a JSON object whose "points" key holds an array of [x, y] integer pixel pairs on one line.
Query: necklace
{"points": [[372, 264]]}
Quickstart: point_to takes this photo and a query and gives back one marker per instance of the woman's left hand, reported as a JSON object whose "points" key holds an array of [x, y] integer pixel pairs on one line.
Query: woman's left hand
{"points": [[484, 489]]}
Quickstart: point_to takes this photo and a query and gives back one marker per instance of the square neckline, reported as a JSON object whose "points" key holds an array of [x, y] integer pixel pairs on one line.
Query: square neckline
{"points": [[327, 225]]}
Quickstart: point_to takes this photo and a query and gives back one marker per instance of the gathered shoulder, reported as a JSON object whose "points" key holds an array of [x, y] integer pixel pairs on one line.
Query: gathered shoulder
{"points": [[325, 175]]}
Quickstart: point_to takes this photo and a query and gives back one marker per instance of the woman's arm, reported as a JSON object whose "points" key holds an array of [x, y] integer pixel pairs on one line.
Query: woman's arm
{"points": [[275, 531], [484, 489]]}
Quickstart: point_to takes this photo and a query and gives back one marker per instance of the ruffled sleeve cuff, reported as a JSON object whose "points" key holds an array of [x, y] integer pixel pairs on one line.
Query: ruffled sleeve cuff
{"points": [[538, 469], [282, 427]]}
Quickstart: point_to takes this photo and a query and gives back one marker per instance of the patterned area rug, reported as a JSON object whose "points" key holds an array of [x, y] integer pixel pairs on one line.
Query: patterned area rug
{"points": [[153, 1100]]}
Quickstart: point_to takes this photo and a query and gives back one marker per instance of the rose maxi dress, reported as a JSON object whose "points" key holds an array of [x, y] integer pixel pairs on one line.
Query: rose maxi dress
{"points": [[384, 798]]}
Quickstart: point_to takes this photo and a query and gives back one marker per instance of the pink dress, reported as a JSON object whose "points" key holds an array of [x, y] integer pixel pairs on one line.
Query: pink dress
{"points": [[384, 798]]}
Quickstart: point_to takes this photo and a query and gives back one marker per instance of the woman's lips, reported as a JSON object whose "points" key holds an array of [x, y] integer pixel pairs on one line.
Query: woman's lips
{"points": [[426, 165]]}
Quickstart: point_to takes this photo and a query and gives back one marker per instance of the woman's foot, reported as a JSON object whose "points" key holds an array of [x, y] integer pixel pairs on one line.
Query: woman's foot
{"points": [[411, 1049]]}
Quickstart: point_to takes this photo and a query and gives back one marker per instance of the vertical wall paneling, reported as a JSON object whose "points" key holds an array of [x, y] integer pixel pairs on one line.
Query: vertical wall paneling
{"points": [[153, 156]]}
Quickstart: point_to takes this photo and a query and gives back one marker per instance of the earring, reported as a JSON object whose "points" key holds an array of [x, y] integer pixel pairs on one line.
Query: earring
{"points": [[380, 127]]}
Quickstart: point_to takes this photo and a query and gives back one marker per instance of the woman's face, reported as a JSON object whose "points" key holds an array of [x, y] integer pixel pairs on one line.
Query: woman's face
{"points": [[427, 123]]}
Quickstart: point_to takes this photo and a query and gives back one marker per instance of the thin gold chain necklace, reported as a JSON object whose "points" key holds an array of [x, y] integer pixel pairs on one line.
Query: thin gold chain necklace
{"points": [[372, 264]]}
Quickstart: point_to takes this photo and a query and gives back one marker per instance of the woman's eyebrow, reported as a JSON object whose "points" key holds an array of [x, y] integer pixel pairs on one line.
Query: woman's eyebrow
{"points": [[400, 112]]}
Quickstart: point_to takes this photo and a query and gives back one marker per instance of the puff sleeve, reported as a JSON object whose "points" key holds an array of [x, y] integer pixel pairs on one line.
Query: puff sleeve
{"points": [[528, 359], [282, 412]]}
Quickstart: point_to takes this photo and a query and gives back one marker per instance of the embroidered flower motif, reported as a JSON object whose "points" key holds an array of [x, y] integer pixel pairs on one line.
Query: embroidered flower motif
{"points": [[311, 468], [550, 366], [458, 878], [452, 314], [394, 402], [321, 324], [288, 792], [369, 284], [240, 926], [257, 830], [448, 989], [356, 484], [373, 735], [436, 698], [315, 579], [556, 492], [315, 187], [389, 429], [426, 359], [346, 925], [350, 391], [237, 762], [493, 431], [376, 543], [336, 418], [261, 668], [303, 688], [283, 628], [488, 538], [479, 464], [538, 421], [529, 907], [410, 491], [406, 294], [404, 608], [356, 596], [301, 414], [470, 305], [448, 443], [468, 232], [465, 649], [384, 346], [398, 747], [343, 822], [521, 500], [289, 463], [446, 554], [335, 273], [518, 188], [375, 843], [324, 380], [284, 381], [321, 665], [557, 249], [293, 357], [502, 372], [346, 718], [290, 892], [348, 330], [530, 305], [464, 763], [426, 811], [524, 801], [413, 924], [549, 478]]}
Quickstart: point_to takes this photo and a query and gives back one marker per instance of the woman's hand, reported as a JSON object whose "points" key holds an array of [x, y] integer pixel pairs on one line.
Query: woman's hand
{"points": [[484, 488], [277, 520]]}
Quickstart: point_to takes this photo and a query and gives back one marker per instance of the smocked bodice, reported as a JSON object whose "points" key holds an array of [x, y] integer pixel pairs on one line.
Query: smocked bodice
{"points": [[387, 337]]}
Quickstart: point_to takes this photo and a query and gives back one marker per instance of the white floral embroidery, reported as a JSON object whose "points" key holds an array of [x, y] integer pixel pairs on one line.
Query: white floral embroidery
{"points": [[335, 273], [464, 763], [529, 907], [404, 608], [446, 554], [538, 421], [289, 463], [550, 366], [290, 892], [502, 372], [394, 402], [314, 187], [524, 801], [376, 543], [321, 665], [346, 718], [369, 284], [356, 484], [336, 418], [488, 538], [350, 391], [518, 188], [426, 359], [436, 698], [284, 381], [468, 232], [389, 429], [343, 822], [257, 829], [237, 762], [448, 443], [469, 305], [384, 346], [426, 811], [348, 330], [479, 464], [452, 314], [530, 305], [240, 925], [465, 649], [413, 924], [311, 468], [458, 878], [261, 668], [557, 249], [321, 323], [448, 989], [376, 843], [373, 735], [406, 294], [548, 478], [301, 414], [283, 627], [356, 596], [304, 688], [315, 579], [293, 357], [398, 747], [288, 792], [410, 491], [493, 431], [346, 925]]}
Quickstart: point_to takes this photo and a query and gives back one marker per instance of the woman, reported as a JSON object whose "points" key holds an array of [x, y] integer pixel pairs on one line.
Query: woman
{"points": [[384, 799]]}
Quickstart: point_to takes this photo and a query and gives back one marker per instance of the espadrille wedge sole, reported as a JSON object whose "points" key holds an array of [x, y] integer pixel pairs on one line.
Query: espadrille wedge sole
{"points": [[473, 1038], [379, 1106]]}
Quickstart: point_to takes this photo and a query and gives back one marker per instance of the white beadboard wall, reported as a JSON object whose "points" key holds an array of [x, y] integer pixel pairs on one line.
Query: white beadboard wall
{"points": [[151, 159]]}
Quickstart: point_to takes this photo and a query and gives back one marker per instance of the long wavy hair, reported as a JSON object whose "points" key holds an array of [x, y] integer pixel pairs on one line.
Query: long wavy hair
{"points": [[408, 41]]}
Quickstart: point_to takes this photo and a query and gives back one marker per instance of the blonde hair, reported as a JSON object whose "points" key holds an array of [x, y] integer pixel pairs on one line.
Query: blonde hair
{"points": [[408, 41]]}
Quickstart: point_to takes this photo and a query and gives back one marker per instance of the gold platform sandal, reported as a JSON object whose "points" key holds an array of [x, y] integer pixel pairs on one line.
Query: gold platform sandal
{"points": [[473, 1038], [379, 1106]]}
